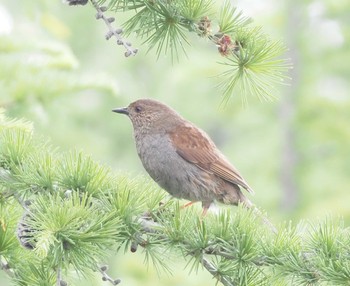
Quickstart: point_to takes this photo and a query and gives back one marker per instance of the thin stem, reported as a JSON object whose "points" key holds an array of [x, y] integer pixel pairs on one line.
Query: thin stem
{"points": [[150, 226], [58, 282], [130, 51], [105, 277], [224, 279], [5, 266]]}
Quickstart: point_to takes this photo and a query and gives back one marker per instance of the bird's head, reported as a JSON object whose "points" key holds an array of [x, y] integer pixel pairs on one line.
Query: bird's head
{"points": [[148, 114]]}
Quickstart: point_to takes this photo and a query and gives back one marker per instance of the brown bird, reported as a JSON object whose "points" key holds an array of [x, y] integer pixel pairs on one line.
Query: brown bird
{"points": [[182, 158]]}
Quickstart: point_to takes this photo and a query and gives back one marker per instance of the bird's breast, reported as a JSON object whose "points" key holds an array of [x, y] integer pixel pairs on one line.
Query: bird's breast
{"points": [[174, 174], [156, 153]]}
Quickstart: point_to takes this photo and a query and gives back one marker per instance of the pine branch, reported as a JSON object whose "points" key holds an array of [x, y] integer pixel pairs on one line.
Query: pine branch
{"points": [[150, 226], [77, 215], [213, 271], [254, 60]]}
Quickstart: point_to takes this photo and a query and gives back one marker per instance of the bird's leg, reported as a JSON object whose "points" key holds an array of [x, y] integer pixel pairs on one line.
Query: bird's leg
{"points": [[204, 212], [205, 206], [187, 205]]}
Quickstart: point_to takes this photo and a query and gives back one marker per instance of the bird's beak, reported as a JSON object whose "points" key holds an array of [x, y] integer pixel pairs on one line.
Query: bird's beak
{"points": [[123, 110]]}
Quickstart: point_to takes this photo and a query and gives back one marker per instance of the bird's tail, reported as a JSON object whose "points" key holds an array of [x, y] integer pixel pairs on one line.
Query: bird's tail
{"points": [[249, 205]]}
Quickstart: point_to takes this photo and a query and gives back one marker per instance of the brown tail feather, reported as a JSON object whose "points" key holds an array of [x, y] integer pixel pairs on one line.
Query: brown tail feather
{"points": [[249, 205]]}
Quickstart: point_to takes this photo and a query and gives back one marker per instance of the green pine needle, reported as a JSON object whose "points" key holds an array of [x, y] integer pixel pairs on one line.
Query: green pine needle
{"points": [[73, 229], [7, 123], [15, 145], [9, 215], [79, 172], [169, 34], [194, 10], [255, 69], [35, 274], [162, 26], [231, 20], [38, 173], [142, 23], [155, 255], [176, 222], [329, 243]]}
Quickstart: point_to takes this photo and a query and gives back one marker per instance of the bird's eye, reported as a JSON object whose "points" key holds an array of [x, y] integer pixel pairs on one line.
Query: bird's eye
{"points": [[138, 109]]}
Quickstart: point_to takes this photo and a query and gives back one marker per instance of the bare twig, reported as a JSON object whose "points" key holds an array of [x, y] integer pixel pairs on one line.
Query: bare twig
{"points": [[60, 282], [6, 267], [130, 51], [105, 277], [76, 2], [224, 279]]}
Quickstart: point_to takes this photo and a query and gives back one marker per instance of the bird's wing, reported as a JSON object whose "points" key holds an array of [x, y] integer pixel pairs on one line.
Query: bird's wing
{"points": [[196, 147]]}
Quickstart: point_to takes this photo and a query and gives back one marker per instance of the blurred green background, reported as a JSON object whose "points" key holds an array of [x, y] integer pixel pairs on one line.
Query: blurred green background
{"points": [[57, 71]]}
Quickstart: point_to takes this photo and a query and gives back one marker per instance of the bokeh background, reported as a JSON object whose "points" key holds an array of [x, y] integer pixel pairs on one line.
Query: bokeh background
{"points": [[57, 70]]}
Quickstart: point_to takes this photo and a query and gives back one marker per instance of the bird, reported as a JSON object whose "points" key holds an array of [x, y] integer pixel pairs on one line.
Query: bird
{"points": [[181, 158]]}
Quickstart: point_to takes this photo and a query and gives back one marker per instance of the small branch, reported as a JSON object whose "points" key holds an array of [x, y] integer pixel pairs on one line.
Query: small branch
{"points": [[225, 44], [106, 277], [6, 267], [149, 226], [60, 282], [130, 51], [77, 2], [211, 251], [213, 271]]}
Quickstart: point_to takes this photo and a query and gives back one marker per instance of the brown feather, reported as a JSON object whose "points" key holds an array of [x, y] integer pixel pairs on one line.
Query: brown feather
{"points": [[195, 146]]}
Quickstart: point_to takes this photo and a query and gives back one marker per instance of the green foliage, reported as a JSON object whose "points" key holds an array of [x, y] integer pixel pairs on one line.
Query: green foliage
{"points": [[78, 172], [39, 171], [35, 274], [74, 229], [231, 21], [71, 219], [193, 10], [74, 214], [329, 242], [16, 146], [7, 123], [8, 219], [255, 69]]}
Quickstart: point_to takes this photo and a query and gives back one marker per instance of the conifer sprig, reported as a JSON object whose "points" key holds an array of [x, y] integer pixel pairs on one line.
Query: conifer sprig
{"points": [[254, 61]]}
